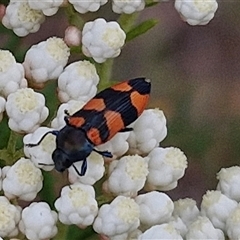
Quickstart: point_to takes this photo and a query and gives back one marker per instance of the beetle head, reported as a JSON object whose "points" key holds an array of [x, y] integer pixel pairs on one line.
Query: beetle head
{"points": [[61, 160], [72, 146]]}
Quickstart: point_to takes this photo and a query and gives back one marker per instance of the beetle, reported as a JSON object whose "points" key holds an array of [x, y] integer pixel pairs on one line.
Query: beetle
{"points": [[108, 113]]}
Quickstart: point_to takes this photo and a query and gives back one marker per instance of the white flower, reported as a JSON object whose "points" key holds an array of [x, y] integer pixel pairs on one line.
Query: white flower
{"points": [[233, 224], [40, 155], [196, 12], [9, 218], [77, 205], [119, 217], [102, 40], [163, 231], [179, 225], [38, 221], [22, 180], [202, 228], [72, 36], [127, 6], [46, 60], [11, 74], [95, 170], [117, 145], [71, 106], [26, 110], [186, 209], [127, 176], [155, 208], [2, 107], [228, 184], [78, 82], [133, 235], [217, 208], [48, 8], [21, 18], [166, 167], [87, 6], [148, 131]]}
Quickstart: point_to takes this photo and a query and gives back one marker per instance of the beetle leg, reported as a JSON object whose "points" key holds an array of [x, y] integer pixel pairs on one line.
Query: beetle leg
{"points": [[83, 168], [46, 164], [103, 153], [36, 144], [127, 129], [66, 112], [75, 168]]}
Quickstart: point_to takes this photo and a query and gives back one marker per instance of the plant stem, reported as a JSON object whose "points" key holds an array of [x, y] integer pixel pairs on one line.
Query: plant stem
{"points": [[105, 73], [127, 21], [10, 154], [12, 142], [73, 17]]}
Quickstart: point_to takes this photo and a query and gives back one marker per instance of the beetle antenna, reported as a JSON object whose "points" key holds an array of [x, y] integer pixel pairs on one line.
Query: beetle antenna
{"points": [[36, 144]]}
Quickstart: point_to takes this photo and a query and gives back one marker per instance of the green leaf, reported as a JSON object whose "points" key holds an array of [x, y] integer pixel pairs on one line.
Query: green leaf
{"points": [[47, 193], [18, 154], [150, 3], [75, 233], [127, 21], [5, 2], [141, 29]]}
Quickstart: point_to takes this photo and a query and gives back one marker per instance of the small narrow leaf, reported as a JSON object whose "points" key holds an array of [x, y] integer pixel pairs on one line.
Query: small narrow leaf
{"points": [[150, 3], [127, 21], [141, 29]]}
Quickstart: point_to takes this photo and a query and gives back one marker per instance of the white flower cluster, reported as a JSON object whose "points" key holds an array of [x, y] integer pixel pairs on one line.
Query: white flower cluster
{"points": [[48, 8], [129, 213], [139, 169], [38, 221], [41, 155], [78, 82], [219, 214], [127, 175], [11, 77], [102, 40], [160, 218], [149, 215], [11, 74], [46, 60], [87, 6], [26, 108], [21, 18], [128, 6], [26, 16], [196, 12]]}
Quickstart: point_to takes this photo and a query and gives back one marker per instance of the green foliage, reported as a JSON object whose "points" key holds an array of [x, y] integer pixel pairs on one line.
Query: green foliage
{"points": [[141, 29]]}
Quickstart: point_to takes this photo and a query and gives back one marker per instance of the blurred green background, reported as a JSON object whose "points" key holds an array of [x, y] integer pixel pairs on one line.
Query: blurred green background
{"points": [[195, 75]]}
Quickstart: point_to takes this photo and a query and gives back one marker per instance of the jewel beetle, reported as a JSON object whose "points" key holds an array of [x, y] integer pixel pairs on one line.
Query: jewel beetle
{"points": [[108, 113]]}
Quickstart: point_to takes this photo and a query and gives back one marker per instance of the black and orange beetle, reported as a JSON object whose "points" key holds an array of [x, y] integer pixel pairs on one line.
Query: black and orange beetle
{"points": [[108, 113]]}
